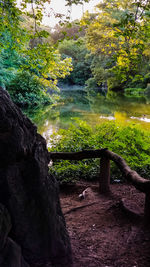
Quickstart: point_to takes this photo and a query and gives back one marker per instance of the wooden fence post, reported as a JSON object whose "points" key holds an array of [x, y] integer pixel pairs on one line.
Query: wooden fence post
{"points": [[147, 208], [104, 180]]}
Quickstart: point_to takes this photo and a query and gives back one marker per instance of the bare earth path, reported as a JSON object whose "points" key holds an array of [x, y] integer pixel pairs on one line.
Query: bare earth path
{"points": [[103, 235]]}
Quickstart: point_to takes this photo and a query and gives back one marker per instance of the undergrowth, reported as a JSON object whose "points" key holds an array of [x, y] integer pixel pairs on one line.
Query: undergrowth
{"points": [[129, 141]]}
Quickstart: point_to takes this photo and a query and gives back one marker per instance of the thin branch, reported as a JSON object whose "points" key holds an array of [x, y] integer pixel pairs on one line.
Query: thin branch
{"points": [[136, 14], [34, 16], [143, 9]]}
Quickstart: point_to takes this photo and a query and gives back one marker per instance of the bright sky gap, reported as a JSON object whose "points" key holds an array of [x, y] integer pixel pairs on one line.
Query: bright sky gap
{"points": [[58, 6]]}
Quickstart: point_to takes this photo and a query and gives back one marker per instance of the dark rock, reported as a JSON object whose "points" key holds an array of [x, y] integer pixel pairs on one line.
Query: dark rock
{"points": [[11, 255], [5, 226], [10, 252], [28, 191]]}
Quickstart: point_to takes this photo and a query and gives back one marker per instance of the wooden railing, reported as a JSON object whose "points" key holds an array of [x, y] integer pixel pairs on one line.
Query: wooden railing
{"points": [[105, 156]]}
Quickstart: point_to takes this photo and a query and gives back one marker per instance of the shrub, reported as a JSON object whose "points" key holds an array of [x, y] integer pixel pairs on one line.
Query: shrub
{"points": [[130, 142], [137, 92], [148, 89], [26, 89]]}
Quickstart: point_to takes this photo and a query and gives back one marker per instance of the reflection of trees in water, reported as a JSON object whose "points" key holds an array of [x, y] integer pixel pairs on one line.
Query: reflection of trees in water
{"points": [[43, 116], [132, 106], [91, 108]]}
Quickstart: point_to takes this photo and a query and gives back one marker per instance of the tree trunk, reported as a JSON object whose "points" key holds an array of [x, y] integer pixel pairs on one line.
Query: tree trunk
{"points": [[104, 181]]}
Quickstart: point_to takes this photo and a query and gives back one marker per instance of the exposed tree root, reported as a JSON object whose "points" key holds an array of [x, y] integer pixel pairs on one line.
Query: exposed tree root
{"points": [[129, 211], [80, 207]]}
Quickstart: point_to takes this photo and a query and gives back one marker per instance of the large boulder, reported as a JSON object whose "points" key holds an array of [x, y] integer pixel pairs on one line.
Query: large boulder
{"points": [[10, 252], [11, 255], [5, 226], [29, 191]]}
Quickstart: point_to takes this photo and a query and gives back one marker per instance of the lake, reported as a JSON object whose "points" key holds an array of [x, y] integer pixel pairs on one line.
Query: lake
{"points": [[76, 103]]}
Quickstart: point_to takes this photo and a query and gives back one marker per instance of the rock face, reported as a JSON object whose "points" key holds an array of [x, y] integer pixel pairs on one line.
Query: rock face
{"points": [[28, 191], [10, 252]]}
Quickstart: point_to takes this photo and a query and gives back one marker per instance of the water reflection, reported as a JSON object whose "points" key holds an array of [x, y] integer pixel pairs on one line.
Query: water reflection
{"points": [[110, 118], [93, 109], [141, 119]]}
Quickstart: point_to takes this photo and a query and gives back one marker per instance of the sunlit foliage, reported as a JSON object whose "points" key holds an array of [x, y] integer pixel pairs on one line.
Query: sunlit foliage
{"points": [[120, 32], [26, 48], [129, 141], [81, 60]]}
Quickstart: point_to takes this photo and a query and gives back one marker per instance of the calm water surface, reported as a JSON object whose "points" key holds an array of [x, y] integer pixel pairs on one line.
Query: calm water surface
{"points": [[93, 109]]}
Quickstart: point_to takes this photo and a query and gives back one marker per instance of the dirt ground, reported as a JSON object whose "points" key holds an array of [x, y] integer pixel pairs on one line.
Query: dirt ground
{"points": [[104, 234]]}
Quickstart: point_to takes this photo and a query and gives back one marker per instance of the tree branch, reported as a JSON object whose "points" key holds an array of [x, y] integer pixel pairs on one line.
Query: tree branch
{"points": [[34, 16]]}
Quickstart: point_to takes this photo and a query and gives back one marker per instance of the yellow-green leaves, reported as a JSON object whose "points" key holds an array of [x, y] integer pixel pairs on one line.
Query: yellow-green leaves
{"points": [[38, 57], [120, 31]]}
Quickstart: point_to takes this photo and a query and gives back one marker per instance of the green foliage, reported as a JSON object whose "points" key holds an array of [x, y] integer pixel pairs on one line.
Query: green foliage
{"points": [[26, 89], [100, 71], [148, 89], [137, 92], [130, 142], [71, 30], [9, 17], [10, 61], [24, 48], [119, 33], [91, 86], [76, 2], [81, 60], [114, 84]]}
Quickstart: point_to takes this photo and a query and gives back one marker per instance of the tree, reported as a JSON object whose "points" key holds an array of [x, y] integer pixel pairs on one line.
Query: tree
{"points": [[81, 60], [69, 30], [39, 57], [120, 32]]}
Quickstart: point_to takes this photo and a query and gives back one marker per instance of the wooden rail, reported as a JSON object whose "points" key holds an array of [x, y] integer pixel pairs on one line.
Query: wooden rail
{"points": [[105, 156]]}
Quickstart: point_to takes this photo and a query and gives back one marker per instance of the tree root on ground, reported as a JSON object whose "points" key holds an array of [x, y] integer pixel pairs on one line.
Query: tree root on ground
{"points": [[80, 207]]}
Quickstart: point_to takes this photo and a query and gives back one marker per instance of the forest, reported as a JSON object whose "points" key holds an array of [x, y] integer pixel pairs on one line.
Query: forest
{"points": [[105, 53], [108, 49], [75, 135]]}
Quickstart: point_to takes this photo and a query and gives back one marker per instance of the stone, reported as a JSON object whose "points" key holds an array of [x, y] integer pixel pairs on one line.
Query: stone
{"points": [[10, 252], [11, 255], [5, 226], [29, 191]]}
